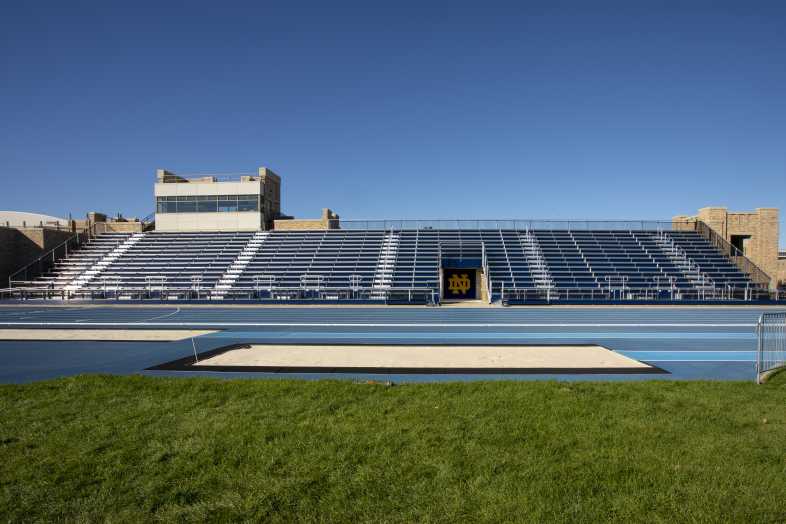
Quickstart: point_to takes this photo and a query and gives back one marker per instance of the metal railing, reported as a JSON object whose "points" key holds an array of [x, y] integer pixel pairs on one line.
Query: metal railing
{"points": [[757, 275], [160, 290], [512, 224], [43, 263], [771, 348], [148, 221], [55, 225], [629, 294]]}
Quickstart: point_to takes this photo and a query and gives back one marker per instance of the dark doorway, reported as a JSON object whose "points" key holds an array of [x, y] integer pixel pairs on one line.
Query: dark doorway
{"points": [[459, 283], [741, 242]]}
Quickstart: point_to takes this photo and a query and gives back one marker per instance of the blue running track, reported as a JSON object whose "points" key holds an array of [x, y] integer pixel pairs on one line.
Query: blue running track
{"points": [[713, 343]]}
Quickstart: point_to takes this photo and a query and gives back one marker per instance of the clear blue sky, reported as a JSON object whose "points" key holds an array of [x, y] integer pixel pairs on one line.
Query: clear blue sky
{"points": [[586, 110]]}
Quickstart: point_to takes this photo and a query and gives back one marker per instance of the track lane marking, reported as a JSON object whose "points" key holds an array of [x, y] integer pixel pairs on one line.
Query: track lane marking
{"points": [[173, 313]]}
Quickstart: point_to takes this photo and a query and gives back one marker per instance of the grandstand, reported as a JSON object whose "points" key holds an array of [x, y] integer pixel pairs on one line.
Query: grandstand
{"points": [[218, 238], [406, 264]]}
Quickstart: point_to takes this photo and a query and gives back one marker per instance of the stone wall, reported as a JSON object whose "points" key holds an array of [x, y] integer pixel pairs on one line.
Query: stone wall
{"points": [[20, 246], [328, 220], [761, 225], [118, 227]]}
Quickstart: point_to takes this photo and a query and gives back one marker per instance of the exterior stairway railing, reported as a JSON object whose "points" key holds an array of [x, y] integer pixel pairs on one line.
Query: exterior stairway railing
{"points": [[40, 265], [746, 265]]}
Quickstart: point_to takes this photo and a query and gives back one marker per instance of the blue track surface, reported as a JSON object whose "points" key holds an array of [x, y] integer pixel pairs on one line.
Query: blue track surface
{"points": [[689, 343]]}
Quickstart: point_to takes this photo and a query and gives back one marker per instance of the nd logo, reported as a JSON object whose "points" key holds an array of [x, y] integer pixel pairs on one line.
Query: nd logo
{"points": [[459, 284]]}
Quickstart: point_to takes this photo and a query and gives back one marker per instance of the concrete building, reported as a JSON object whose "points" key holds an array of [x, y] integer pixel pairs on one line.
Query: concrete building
{"points": [[210, 203], [754, 233]]}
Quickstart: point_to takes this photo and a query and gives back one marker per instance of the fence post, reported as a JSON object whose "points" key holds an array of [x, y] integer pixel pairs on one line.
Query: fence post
{"points": [[759, 346]]}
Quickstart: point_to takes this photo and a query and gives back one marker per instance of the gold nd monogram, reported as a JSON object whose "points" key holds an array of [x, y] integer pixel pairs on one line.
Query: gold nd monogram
{"points": [[458, 284]]}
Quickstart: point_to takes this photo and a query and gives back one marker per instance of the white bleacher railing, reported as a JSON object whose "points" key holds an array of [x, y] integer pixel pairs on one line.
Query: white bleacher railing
{"points": [[537, 262], [239, 264], [386, 264], [692, 271], [771, 347], [89, 273]]}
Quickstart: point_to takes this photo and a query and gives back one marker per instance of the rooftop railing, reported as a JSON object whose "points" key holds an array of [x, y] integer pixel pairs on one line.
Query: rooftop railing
{"points": [[512, 224]]}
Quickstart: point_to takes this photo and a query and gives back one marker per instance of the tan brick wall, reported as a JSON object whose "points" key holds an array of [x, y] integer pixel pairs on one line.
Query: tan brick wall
{"points": [[682, 223], [118, 227], [20, 246], [295, 225], [329, 220], [762, 225]]}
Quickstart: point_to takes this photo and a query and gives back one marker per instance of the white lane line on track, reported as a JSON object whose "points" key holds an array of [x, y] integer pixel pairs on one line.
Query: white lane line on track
{"points": [[694, 360], [173, 313], [383, 324]]}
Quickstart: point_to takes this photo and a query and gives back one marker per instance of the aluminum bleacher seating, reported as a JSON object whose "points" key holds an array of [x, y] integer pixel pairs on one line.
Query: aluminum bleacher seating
{"points": [[270, 265]]}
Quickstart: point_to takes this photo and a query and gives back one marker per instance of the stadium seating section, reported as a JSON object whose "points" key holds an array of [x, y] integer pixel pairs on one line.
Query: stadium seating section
{"points": [[404, 264]]}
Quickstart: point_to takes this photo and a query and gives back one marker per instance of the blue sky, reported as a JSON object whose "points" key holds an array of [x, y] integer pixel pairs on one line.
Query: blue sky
{"points": [[527, 110]]}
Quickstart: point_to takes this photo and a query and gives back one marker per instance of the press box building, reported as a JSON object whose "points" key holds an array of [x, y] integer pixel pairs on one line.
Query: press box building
{"points": [[211, 203]]}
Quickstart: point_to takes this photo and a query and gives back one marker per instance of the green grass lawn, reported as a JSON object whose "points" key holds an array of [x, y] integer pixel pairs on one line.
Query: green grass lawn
{"points": [[138, 449]]}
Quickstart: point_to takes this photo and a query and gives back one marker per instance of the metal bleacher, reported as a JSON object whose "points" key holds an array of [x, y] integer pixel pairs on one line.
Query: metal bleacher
{"points": [[521, 265]]}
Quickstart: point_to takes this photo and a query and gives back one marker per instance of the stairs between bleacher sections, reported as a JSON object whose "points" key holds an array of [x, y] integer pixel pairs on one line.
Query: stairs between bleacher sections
{"points": [[103, 263], [383, 273], [536, 261], [698, 279], [237, 267]]}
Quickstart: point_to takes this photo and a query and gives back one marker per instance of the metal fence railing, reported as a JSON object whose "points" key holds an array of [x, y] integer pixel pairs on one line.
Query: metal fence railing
{"points": [[156, 288], [771, 349], [618, 291], [513, 224]]}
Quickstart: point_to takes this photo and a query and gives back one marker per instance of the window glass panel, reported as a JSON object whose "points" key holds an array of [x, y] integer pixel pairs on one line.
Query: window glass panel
{"points": [[247, 205], [207, 203], [207, 206], [226, 206], [186, 206]]}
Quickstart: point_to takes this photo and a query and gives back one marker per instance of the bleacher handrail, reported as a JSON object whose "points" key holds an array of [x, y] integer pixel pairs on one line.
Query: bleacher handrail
{"points": [[746, 265], [75, 239]]}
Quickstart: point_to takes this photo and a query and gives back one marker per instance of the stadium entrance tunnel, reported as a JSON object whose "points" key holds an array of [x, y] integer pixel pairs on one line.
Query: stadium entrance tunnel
{"points": [[460, 283], [412, 359], [463, 267]]}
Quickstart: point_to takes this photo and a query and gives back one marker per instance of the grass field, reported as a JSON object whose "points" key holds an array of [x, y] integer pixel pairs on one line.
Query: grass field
{"points": [[138, 449]]}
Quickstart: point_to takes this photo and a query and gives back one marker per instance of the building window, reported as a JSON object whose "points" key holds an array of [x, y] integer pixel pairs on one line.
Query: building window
{"points": [[207, 204]]}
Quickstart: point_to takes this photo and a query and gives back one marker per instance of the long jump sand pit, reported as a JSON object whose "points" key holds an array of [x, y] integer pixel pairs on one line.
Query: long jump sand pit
{"points": [[105, 335], [327, 358]]}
